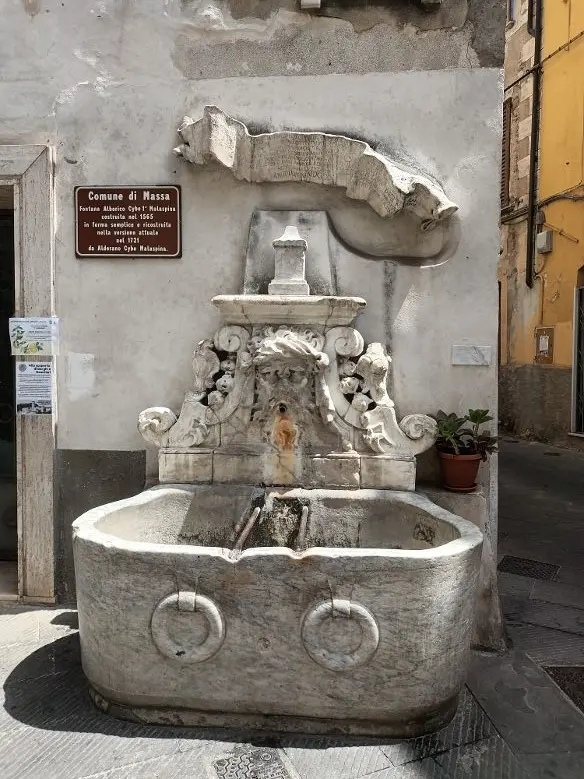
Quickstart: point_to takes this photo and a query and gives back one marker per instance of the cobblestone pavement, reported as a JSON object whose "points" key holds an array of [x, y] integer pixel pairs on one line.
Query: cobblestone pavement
{"points": [[513, 723]]}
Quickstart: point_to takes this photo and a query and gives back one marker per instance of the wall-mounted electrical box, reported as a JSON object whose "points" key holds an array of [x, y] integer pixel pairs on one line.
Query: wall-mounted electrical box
{"points": [[544, 241]]}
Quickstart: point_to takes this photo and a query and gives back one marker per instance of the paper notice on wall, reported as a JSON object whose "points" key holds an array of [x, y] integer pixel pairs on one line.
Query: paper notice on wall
{"points": [[34, 383], [30, 335]]}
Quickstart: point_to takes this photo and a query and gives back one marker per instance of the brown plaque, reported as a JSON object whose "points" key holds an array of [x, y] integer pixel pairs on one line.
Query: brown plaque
{"points": [[127, 222], [544, 345]]}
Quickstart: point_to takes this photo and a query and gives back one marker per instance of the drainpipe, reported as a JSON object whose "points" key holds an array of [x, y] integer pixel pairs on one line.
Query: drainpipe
{"points": [[535, 28]]}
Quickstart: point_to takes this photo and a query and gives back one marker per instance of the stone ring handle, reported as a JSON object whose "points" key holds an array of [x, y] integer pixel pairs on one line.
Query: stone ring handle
{"points": [[343, 609], [187, 602]]}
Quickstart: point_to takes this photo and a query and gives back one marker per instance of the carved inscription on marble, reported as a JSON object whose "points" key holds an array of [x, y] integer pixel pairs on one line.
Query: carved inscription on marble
{"points": [[317, 158]]}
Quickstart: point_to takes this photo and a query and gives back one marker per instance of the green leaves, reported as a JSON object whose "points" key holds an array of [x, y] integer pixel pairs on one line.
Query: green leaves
{"points": [[454, 437], [479, 416]]}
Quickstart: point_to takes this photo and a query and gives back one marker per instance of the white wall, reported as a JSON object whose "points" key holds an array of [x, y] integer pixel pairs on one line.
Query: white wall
{"points": [[141, 318], [108, 83]]}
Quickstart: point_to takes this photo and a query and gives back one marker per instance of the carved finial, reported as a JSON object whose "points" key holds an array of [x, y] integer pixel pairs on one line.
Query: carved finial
{"points": [[290, 237], [289, 277]]}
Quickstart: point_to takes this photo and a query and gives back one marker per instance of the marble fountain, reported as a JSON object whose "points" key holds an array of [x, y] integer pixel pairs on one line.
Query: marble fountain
{"points": [[284, 573]]}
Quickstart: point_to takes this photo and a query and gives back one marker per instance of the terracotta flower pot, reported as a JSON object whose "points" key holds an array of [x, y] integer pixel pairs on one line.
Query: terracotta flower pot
{"points": [[459, 471]]}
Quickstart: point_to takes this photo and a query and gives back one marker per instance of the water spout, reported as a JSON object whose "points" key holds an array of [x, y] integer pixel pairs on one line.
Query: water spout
{"points": [[302, 529], [247, 529]]}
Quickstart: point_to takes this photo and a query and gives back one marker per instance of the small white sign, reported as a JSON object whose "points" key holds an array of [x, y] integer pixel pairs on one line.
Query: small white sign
{"points": [[34, 335], [34, 388], [469, 354]]}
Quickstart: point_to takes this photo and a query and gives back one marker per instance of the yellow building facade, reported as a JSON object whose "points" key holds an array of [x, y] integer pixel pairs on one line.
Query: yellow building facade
{"points": [[541, 272]]}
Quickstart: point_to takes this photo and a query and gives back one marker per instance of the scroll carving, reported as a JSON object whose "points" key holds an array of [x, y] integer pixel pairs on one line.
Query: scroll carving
{"points": [[154, 424], [220, 387], [330, 374]]}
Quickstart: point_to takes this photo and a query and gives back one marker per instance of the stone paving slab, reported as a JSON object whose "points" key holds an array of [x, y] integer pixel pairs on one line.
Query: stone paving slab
{"points": [[526, 707], [342, 762], [514, 586], [517, 725], [547, 646], [50, 730], [489, 757], [566, 765], [468, 726], [547, 615], [570, 574], [18, 629], [523, 588], [562, 594], [424, 769]]}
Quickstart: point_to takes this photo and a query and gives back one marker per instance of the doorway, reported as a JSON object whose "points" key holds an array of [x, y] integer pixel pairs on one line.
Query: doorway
{"points": [[8, 483], [26, 176]]}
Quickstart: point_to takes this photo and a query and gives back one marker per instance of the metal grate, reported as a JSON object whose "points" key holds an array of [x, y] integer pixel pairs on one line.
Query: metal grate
{"points": [[253, 763], [534, 569], [570, 679]]}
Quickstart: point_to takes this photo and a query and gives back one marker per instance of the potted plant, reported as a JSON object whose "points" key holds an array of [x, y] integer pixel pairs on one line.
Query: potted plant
{"points": [[461, 446]]}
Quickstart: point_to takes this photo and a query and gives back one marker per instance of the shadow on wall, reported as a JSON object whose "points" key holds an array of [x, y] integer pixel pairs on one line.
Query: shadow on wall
{"points": [[88, 479]]}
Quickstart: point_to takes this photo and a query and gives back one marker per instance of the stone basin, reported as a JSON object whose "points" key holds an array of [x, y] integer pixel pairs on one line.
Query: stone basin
{"points": [[344, 612], [288, 309]]}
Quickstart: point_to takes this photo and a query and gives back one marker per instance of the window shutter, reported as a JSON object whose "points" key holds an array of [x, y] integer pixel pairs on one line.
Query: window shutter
{"points": [[506, 155]]}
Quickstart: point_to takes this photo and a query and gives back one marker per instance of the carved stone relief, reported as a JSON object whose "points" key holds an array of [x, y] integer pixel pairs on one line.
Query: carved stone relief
{"points": [[290, 394], [317, 158], [329, 377]]}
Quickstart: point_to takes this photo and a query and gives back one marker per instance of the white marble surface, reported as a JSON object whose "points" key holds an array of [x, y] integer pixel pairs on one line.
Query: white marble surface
{"points": [[288, 309], [285, 395], [403, 682], [289, 264], [388, 473], [315, 157], [353, 471], [467, 354], [488, 630]]}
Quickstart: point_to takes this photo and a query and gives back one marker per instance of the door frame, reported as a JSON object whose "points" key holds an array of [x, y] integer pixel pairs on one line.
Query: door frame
{"points": [[578, 294], [29, 170]]}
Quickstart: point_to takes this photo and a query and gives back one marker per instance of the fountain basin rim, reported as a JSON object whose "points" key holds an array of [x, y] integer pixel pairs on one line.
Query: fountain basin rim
{"points": [[85, 530], [334, 311]]}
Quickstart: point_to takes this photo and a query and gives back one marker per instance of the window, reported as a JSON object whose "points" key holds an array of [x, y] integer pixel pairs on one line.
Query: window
{"points": [[510, 10], [506, 155]]}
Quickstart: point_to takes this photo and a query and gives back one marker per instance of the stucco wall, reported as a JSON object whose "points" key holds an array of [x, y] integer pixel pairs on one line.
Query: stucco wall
{"points": [[108, 83], [139, 319], [546, 416], [536, 399]]}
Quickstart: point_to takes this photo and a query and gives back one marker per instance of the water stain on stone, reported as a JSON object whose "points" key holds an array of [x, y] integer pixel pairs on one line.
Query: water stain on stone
{"points": [[425, 533], [32, 7], [285, 432]]}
